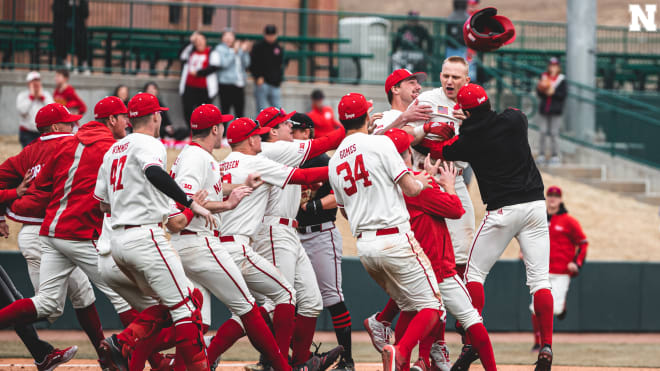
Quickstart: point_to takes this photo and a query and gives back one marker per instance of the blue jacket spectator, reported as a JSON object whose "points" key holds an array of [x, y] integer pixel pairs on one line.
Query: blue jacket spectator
{"points": [[232, 76]]}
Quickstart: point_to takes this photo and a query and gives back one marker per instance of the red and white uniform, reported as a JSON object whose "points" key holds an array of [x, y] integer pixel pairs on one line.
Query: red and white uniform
{"points": [[30, 211], [72, 221], [277, 239], [388, 117], [138, 244], [461, 230], [363, 173]]}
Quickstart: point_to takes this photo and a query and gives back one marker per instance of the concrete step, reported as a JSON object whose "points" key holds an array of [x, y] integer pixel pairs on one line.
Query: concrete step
{"points": [[587, 172], [652, 198], [619, 185]]}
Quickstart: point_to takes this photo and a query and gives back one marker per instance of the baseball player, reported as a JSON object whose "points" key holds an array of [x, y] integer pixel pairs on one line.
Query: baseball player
{"points": [[568, 250], [365, 174], [241, 225], [428, 213], [134, 186], [277, 239], [496, 146], [322, 243], [203, 259], [71, 225]]}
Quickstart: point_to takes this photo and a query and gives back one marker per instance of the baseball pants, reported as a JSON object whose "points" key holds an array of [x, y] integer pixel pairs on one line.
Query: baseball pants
{"points": [[59, 258], [79, 289], [280, 245], [456, 299], [209, 265], [400, 266], [324, 249], [146, 256], [560, 284], [461, 230], [527, 222]]}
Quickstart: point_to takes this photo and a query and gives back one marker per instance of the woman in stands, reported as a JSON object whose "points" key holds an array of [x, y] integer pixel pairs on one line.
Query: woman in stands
{"points": [[551, 90]]}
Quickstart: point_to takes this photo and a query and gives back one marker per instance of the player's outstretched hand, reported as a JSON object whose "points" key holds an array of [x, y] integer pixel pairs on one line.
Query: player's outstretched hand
{"points": [[4, 229], [237, 195], [430, 166], [459, 114], [25, 184], [447, 177], [254, 180], [200, 197], [417, 112], [199, 210]]}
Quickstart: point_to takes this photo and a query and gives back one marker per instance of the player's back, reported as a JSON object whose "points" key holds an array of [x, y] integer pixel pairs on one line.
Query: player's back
{"points": [[133, 199], [363, 173]]}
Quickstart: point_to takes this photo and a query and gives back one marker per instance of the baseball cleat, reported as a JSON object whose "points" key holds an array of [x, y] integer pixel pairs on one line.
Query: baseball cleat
{"points": [[56, 358], [419, 365], [544, 362], [440, 357], [345, 365], [328, 358], [312, 364], [111, 350], [468, 355], [379, 332], [536, 348]]}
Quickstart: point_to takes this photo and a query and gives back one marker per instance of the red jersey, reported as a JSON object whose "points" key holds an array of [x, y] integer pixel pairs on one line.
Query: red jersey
{"points": [[70, 99], [12, 171], [427, 219], [197, 61], [72, 212], [324, 121], [567, 242]]}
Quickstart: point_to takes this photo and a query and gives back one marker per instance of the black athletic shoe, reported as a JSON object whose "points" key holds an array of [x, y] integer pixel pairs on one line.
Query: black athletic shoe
{"points": [[328, 358], [544, 362], [468, 355], [312, 364], [536, 348], [345, 365], [111, 351]]}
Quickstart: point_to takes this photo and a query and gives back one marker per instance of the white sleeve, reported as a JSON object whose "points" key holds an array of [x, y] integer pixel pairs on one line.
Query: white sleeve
{"points": [[151, 154], [392, 161], [101, 188], [190, 175], [23, 103], [272, 172], [287, 153]]}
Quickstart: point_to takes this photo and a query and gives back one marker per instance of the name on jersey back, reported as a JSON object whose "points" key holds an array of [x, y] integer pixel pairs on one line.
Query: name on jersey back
{"points": [[120, 148], [347, 151], [228, 165]]}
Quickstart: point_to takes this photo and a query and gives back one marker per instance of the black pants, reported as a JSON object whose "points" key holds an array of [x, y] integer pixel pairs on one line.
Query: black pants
{"points": [[26, 137], [193, 98], [38, 348], [232, 96]]}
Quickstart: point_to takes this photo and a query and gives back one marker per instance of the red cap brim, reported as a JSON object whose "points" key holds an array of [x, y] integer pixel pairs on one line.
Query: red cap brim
{"points": [[508, 28], [163, 109], [280, 120], [72, 118], [226, 118]]}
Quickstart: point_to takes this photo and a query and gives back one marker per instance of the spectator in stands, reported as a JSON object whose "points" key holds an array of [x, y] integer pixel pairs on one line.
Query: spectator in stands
{"points": [[121, 92], [81, 13], [323, 116], [199, 84], [412, 45], [28, 103], [167, 128], [568, 250], [551, 90], [267, 58], [66, 95], [234, 60], [62, 31]]}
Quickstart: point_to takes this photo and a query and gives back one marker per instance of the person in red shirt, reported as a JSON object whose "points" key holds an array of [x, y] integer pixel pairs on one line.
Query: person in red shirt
{"points": [[568, 250], [323, 116], [66, 95], [72, 221]]}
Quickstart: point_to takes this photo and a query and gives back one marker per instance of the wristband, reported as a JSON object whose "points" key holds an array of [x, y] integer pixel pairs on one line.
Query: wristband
{"points": [[419, 131], [421, 185], [189, 215]]}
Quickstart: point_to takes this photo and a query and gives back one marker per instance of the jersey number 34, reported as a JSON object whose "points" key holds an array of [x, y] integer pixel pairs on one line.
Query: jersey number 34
{"points": [[116, 172], [360, 174]]}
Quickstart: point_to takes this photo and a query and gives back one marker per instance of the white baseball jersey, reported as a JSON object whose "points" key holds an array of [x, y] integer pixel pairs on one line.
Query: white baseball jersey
{"points": [[246, 218], [195, 169], [122, 183], [363, 173], [388, 118], [284, 202]]}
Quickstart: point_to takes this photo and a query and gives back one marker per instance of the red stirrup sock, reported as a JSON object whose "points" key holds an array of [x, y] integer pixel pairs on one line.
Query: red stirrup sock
{"points": [[283, 325], [303, 335], [262, 339], [402, 325], [543, 307], [476, 291], [228, 334], [389, 312], [481, 342], [418, 328], [91, 323], [20, 312]]}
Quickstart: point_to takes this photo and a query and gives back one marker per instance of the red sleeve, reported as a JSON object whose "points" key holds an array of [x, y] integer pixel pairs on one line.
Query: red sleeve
{"points": [[435, 202], [579, 240], [39, 193], [327, 143], [12, 171], [309, 176], [7, 195], [436, 147], [74, 101]]}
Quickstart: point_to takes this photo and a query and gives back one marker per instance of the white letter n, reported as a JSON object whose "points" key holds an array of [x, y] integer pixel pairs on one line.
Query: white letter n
{"points": [[637, 16]]}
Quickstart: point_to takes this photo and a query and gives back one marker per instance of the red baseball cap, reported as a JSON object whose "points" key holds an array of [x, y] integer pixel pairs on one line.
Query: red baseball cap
{"points": [[400, 75], [553, 191], [207, 115], [143, 104], [353, 105], [54, 113], [109, 106], [271, 117], [400, 138], [243, 128], [470, 96]]}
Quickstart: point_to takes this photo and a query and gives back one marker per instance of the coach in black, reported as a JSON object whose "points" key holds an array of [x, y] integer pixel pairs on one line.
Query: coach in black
{"points": [[322, 242], [267, 68]]}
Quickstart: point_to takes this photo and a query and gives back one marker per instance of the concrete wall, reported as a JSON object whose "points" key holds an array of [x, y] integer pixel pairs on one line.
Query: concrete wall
{"points": [[92, 88]]}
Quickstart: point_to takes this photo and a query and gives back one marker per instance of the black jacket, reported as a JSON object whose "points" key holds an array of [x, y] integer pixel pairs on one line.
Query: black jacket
{"points": [[496, 147], [318, 216], [267, 61], [553, 104]]}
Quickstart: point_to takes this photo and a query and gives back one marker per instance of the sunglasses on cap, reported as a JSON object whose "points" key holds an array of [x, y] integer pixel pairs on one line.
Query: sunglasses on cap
{"points": [[257, 126], [279, 114]]}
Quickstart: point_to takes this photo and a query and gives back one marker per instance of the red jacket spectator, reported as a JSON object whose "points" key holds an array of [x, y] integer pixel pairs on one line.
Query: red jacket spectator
{"points": [[72, 212], [567, 242], [13, 170], [70, 99], [427, 219], [324, 121]]}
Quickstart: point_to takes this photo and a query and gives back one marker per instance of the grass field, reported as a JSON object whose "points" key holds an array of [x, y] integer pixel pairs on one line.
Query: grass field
{"points": [[512, 351]]}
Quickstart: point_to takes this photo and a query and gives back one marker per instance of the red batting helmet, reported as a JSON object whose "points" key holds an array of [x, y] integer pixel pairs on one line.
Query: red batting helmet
{"points": [[486, 31]]}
